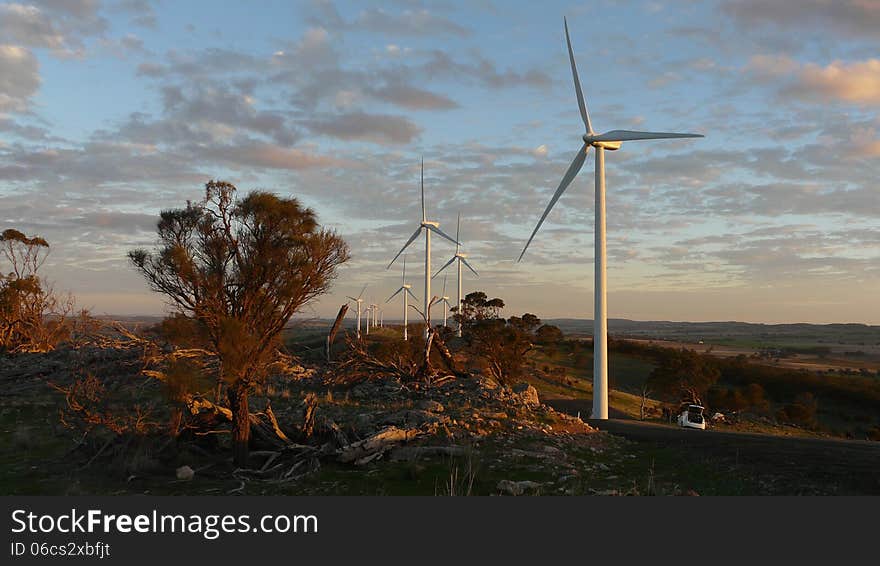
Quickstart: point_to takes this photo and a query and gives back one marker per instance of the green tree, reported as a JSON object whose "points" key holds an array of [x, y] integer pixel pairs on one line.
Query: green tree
{"points": [[240, 269], [684, 375], [502, 344]]}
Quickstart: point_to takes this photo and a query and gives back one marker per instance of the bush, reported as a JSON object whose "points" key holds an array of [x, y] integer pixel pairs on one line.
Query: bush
{"points": [[33, 318]]}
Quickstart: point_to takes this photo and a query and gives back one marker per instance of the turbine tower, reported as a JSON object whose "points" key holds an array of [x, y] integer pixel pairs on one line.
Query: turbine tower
{"points": [[460, 258], [445, 300], [611, 141], [358, 301], [428, 226], [369, 314], [404, 288]]}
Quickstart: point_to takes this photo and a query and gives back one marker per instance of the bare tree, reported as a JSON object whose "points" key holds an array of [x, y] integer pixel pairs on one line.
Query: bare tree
{"points": [[240, 269], [643, 405]]}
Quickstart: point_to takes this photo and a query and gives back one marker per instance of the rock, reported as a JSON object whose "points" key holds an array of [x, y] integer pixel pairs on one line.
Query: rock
{"points": [[365, 424], [526, 394], [414, 418], [495, 415], [185, 473], [518, 487], [431, 406]]}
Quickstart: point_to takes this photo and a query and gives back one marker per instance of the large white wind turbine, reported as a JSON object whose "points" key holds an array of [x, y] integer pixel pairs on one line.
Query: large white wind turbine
{"points": [[405, 290], [610, 140], [428, 226], [459, 258], [358, 301]]}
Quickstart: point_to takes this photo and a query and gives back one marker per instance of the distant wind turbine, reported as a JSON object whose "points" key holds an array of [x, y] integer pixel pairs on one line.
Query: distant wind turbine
{"points": [[405, 290], [460, 258], [428, 226], [611, 141], [359, 301], [445, 300]]}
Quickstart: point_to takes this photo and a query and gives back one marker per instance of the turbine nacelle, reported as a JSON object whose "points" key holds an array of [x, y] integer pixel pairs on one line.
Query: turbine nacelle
{"points": [[609, 145], [430, 224]]}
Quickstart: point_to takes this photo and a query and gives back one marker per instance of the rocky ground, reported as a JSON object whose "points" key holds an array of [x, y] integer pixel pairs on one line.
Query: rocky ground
{"points": [[462, 435], [465, 435]]}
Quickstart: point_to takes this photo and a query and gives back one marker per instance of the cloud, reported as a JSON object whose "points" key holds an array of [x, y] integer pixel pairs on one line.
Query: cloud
{"points": [[59, 25], [267, 155], [19, 78], [377, 128], [483, 71], [29, 26], [141, 12], [856, 82], [413, 98], [844, 17], [408, 22]]}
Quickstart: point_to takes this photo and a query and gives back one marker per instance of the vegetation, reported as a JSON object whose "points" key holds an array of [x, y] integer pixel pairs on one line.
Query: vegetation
{"points": [[503, 345], [436, 414], [33, 318], [238, 270]]}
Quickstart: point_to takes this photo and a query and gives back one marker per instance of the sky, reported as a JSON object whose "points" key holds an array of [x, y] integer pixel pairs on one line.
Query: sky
{"points": [[111, 111]]}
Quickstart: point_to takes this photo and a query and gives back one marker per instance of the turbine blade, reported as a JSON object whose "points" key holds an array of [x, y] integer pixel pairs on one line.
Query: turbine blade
{"points": [[444, 284], [404, 269], [458, 232], [394, 295], [424, 213], [469, 267], [410, 293], [585, 116], [573, 170], [362, 293], [445, 265], [408, 242], [629, 135], [352, 298], [442, 233]]}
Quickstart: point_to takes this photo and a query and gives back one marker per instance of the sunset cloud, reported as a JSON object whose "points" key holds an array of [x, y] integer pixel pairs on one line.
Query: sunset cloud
{"points": [[856, 82], [19, 78]]}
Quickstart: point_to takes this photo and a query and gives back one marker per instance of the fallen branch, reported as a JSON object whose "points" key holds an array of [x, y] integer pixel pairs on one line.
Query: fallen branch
{"points": [[373, 447]]}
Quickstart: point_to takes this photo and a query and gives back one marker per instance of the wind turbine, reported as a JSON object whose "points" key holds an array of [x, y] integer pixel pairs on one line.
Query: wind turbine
{"points": [[460, 258], [358, 301], [445, 300], [611, 141], [369, 314], [428, 226], [405, 290]]}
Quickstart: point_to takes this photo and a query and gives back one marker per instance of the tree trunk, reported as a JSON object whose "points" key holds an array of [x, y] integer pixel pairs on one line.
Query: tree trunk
{"points": [[241, 424], [336, 325], [445, 354]]}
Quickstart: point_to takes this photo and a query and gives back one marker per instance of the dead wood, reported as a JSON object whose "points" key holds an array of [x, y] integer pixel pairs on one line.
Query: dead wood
{"points": [[371, 448]]}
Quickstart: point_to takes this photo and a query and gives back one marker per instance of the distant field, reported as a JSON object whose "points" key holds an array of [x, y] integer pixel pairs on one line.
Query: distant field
{"points": [[846, 347]]}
